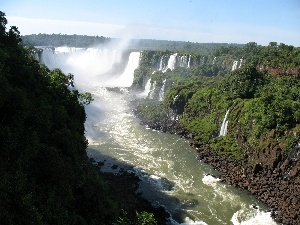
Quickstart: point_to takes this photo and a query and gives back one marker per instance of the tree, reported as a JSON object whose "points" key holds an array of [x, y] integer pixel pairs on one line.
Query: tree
{"points": [[243, 83]]}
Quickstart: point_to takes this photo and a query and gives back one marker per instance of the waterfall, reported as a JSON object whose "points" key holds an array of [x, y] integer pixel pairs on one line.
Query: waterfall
{"points": [[79, 60], [183, 61], [147, 89], [93, 66], [189, 62], [237, 64], [234, 65], [151, 92], [223, 129], [174, 60], [175, 98], [162, 91], [161, 65], [214, 60], [241, 62], [171, 62], [127, 77]]}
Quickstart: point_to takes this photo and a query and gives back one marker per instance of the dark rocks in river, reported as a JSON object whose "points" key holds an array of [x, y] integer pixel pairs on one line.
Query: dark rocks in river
{"points": [[114, 167]]}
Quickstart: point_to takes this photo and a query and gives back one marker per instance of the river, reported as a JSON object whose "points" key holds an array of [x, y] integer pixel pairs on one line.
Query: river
{"points": [[170, 172]]}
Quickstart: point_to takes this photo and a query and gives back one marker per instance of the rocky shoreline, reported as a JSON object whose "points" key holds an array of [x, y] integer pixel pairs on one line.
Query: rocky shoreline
{"points": [[276, 184]]}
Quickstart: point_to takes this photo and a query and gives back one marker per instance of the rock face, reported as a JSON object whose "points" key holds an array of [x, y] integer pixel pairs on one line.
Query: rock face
{"points": [[278, 71]]}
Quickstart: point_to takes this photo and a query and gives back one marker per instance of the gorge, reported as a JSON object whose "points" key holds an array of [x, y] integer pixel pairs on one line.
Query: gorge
{"points": [[168, 167]]}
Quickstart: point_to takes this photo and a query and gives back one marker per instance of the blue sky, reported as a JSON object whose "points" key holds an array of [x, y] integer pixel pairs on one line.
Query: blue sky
{"points": [[229, 21]]}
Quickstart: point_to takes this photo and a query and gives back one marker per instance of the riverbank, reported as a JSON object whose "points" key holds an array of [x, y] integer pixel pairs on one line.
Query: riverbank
{"points": [[276, 184]]}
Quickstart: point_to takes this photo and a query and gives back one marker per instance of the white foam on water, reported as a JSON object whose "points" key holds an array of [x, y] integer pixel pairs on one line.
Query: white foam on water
{"points": [[252, 216], [210, 180], [188, 221], [221, 191]]}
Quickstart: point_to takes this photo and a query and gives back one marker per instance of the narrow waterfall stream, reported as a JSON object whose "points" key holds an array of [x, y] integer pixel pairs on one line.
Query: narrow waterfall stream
{"points": [[170, 172]]}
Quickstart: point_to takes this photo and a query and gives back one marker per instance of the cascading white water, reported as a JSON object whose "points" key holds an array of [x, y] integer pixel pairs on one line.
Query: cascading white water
{"points": [[183, 62], [214, 60], [189, 62], [161, 65], [171, 62], [152, 88], [237, 64], [96, 61], [223, 129], [241, 62], [126, 79], [234, 65], [174, 60], [147, 89], [169, 171], [162, 92]]}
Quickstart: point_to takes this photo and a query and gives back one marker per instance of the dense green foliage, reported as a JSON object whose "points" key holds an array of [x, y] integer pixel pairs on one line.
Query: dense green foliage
{"points": [[143, 218], [274, 55], [57, 40]]}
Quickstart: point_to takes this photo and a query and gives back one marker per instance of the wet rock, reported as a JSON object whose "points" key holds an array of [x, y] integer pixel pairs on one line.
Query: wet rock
{"points": [[114, 167], [257, 168]]}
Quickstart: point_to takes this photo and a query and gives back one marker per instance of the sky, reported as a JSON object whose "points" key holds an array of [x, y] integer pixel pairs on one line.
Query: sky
{"points": [[202, 21]]}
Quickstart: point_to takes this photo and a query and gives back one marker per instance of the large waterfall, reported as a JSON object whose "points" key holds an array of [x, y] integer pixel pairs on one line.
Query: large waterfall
{"points": [[92, 65], [170, 174], [126, 79], [171, 62]]}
